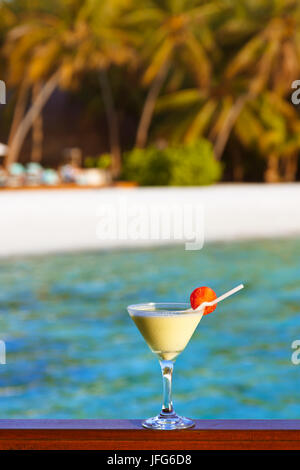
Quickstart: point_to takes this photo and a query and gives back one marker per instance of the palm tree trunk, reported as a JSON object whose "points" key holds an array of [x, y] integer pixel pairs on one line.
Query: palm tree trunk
{"points": [[228, 125], [112, 122], [272, 171], [19, 110], [238, 168], [29, 118], [148, 109], [37, 128], [290, 167]]}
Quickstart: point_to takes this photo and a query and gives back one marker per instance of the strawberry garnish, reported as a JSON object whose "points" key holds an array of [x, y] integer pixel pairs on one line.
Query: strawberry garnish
{"points": [[203, 294]]}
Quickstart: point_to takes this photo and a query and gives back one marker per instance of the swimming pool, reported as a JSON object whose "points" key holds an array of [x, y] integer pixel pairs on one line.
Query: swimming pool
{"points": [[74, 352]]}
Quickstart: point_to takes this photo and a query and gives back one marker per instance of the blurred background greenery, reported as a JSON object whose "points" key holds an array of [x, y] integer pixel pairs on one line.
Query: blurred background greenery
{"points": [[156, 90]]}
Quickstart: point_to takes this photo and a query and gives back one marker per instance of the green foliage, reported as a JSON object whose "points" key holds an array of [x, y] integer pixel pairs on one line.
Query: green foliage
{"points": [[194, 164], [147, 167], [102, 161], [229, 68], [186, 165]]}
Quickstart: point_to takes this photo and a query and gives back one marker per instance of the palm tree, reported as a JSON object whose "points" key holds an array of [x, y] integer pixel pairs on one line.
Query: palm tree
{"points": [[173, 33], [268, 61], [37, 127], [54, 49], [11, 14], [270, 126], [105, 43], [8, 19], [31, 55]]}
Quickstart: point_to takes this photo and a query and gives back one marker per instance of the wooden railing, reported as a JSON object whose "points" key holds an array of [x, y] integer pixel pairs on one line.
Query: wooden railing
{"points": [[129, 435]]}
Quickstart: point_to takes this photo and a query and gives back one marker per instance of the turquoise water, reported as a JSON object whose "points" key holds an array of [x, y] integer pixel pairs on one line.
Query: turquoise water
{"points": [[73, 351]]}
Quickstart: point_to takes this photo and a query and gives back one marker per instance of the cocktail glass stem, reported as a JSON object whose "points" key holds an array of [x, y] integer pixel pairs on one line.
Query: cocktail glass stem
{"points": [[167, 372]]}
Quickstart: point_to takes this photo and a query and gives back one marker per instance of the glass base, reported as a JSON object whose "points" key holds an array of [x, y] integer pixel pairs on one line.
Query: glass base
{"points": [[168, 423]]}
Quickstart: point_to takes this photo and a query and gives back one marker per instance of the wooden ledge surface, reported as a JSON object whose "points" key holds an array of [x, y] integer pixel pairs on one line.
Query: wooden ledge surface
{"points": [[89, 434]]}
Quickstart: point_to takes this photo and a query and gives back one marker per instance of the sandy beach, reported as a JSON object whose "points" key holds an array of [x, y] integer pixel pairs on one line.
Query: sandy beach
{"points": [[50, 221]]}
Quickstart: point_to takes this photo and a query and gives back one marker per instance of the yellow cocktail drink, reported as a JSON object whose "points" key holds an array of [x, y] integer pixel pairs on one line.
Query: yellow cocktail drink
{"points": [[167, 334]]}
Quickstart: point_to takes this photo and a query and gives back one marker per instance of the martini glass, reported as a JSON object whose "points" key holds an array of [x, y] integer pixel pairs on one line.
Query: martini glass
{"points": [[167, 329]]}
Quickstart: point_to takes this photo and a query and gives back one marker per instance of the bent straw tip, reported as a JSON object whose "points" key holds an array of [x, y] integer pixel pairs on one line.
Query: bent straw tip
{"points": [[240, 286]]}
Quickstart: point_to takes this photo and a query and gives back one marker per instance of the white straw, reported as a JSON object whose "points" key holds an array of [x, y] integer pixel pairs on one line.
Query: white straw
{"points": [[219, 299]]}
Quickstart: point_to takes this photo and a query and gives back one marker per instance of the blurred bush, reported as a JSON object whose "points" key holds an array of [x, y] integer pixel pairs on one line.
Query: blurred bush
{"points": [[103, 161], [185, 165], [194, 164], [147, 167]]}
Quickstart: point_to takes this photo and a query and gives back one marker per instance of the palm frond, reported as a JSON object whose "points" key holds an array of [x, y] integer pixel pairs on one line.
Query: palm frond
{"points": [[178, 100], [201, 121]]}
